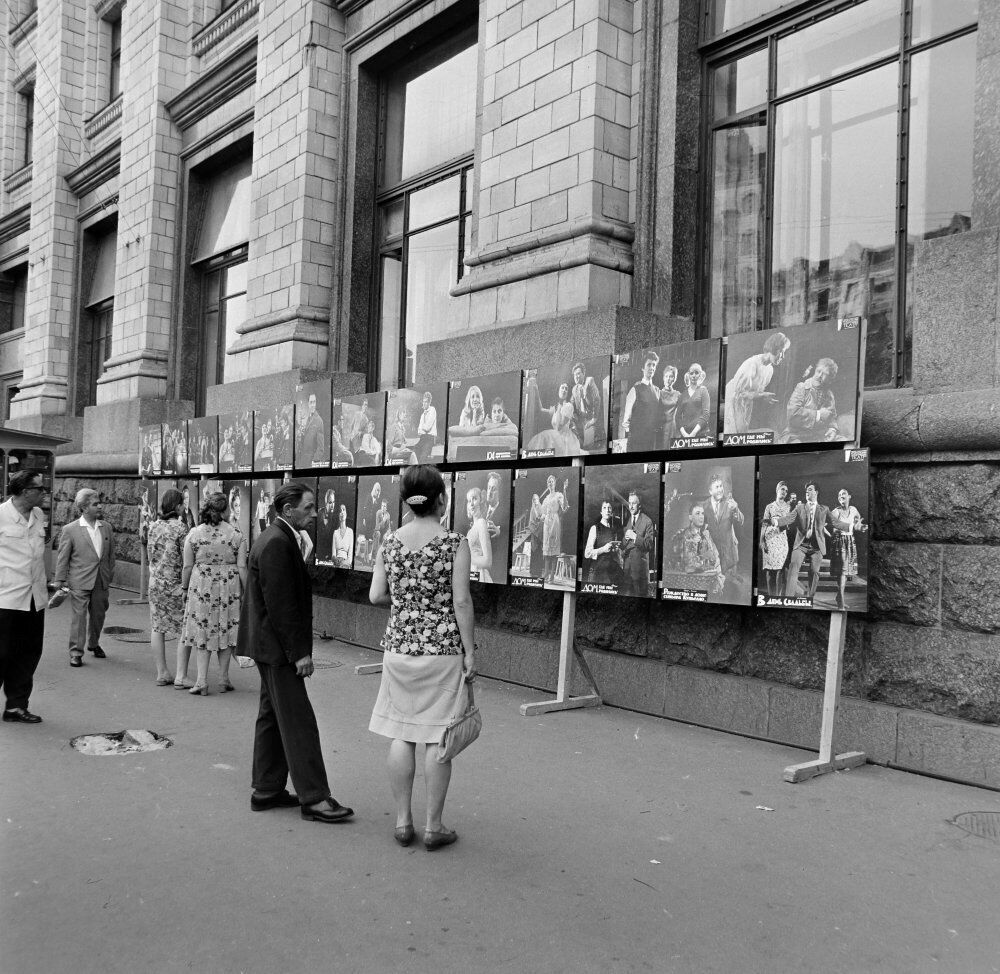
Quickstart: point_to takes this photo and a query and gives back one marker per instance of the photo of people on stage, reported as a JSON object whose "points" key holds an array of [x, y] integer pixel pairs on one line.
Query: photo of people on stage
{"points": [[666, 398], [796, 385], [377, 516], [362, 429], [544, 532], [336, 512], [481, 502], [812, 531], [203, 444], [239, 493], [484, 414], [174, 448], [708, 530], [236, 442], [148, 498], [312, 424], [262, 500], [619, 535], [564, 410], [150, 450], [415, 424], [274, 438]]}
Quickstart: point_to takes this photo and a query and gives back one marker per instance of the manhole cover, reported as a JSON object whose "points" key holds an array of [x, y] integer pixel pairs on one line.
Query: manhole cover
{"points": [[126, 634], [325, 664], [120, 630], [984, 824], [120, 742]]}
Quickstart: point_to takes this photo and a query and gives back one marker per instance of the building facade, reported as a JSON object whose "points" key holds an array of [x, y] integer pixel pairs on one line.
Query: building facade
{"points": [[207, 203]]}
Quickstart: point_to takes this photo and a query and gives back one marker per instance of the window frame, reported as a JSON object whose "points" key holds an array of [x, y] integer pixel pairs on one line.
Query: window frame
{"points": [[27, 126], [114, 78], [100, 332], [234, 257]]}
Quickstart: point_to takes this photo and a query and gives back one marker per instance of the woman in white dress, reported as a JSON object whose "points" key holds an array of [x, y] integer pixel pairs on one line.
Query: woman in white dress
{"points": [[343, 541], [480, 545], [774, 538], [560, 438], [750, 384]]}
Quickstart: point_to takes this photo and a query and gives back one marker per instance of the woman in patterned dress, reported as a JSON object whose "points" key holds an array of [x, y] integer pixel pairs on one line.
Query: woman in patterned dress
{"points": [[774, 539], [847, 522], [165, 549], [422, 573], [215, 570]]}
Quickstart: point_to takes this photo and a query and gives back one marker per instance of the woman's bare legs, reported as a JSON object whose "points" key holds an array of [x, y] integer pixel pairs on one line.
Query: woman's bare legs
{"points": [[202, 679], [437, 777], [183, 658], [225, 657], [402, 766], [158, 641]]}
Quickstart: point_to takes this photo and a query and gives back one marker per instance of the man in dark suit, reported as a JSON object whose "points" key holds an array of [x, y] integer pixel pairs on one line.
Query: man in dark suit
{"points": [[310, 448], [810, 526], [722, 517], [276, 632], [639, 542]]}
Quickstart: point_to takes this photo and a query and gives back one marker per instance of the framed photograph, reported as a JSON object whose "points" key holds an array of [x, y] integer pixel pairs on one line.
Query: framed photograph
{"points": [[336, 515], [812, 531], [148, 506], [484, 416], [564, 409], [415, 423], [362, 428], [544, 535], [238, 494], [274, 438], [312, 424], [191, 492], [377, 516], [262, 493], [150, 450], [666, 397], [236, 442], [796, 385], [311, 527], [620, 532], [708, 518], [203, 445], [481, 501], [174, 448]]}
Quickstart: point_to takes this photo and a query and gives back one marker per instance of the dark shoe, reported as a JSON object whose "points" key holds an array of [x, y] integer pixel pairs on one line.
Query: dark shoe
{"points": [[21, 716], [335, 813], [437, 840], [281, 799], [76, 661], [403, 834], [98, 652]]}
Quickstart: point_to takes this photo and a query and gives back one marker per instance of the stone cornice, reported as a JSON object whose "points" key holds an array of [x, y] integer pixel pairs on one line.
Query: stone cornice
{"points": [[19, 31], [236, 73], [225, 24], [97, 170], [18, 179], [107, 116], [25, 80], [402, 11], [16, 222]]}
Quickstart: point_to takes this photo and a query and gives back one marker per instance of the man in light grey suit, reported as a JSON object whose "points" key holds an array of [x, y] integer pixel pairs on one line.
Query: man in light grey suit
{"points": [[84, 567]]}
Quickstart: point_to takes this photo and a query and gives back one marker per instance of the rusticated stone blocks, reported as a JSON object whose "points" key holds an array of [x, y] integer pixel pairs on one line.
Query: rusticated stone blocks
{"points": [[904, 583]]}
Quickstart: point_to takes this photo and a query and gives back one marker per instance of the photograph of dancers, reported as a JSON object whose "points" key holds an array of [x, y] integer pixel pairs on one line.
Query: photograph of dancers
{"points": [[376, 518], [415, 425], [621, 512], [544, 533], [240, 497], [362, 429], [274, 438], [564, 409], [481, 503], [174, 449], [236, 442], [708, 530], [484, 414], [336, 512], [203, 444], [312, 424], [150, 450], [812, 531]]}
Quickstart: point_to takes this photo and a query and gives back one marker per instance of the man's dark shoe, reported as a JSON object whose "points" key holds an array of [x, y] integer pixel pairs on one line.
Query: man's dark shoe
{"points": [[329, 811], [76, 661], [281, 799], [21, 716], [98, 652]]}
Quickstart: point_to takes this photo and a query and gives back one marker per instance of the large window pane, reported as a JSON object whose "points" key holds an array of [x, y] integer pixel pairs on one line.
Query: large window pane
{"points": [[740, 85], [431, 270], [392, 291], [733, 13], [436, 203], [934, 18], [834, 207], [838, 44], [737, 262], [236, 314]]}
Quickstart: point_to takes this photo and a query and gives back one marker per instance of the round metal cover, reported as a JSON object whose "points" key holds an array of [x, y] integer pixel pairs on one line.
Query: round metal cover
{"points": [[126, 634], [984, 824], [321, 663]]}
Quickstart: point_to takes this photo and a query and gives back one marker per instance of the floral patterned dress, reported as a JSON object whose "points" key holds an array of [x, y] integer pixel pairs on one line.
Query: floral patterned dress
{"points": [[212, 614], [165, 549]]}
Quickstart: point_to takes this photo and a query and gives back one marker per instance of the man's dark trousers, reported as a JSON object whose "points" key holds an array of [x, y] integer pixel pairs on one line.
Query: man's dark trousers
{"points": [[21, 635]]}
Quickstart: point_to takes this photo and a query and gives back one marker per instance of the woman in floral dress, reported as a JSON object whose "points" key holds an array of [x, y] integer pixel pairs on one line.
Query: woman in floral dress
{"points": [[165, 550], [215, 568], [422, 572], [774, 538]]}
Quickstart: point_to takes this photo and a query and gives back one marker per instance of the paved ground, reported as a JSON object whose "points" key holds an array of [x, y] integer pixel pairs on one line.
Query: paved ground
{"points": [[591, 841]]}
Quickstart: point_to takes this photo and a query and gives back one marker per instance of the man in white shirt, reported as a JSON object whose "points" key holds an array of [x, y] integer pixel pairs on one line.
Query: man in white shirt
{"points": [[426, 429], [22, 592], [84, 569]]}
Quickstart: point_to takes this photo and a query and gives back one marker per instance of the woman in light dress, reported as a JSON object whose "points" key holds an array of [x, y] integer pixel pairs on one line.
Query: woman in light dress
{"points": [[561, 438], [774, 538], [343, 541], [847, 522], [750, 384], [480, 545], [553, 508]]}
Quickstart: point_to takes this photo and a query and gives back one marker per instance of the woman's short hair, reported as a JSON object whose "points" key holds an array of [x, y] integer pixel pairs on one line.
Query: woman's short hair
{"points": [[172, 498], [776, 343], [420, 487], [213, 508]]}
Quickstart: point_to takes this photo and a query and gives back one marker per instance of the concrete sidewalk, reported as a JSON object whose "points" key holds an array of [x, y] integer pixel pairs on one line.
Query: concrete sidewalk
{"points": [[591, 841]]}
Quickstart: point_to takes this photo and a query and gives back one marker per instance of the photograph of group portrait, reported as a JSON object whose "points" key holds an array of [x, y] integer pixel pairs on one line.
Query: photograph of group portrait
{"points": [[274, 438], [312, 424], [481, 514], [357, 441], [336, 512], [203, 445], [236, 442], [564, 409], [174, 448], [619, 532], [793, 385], [666, 397], [813, 531], [415, 424], [484, 416], [544, 531], [377, 516], [708, 517], [150, 450]]}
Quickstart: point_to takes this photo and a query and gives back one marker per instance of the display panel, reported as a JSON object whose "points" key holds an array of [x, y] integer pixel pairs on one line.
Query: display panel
{"points": [[148, 506], [309, 556], [666, 397], [415, 424], [481, 501], [377, 516], [262, 495], [236, 442], [620, 533], [362, 428], [312, 424], [274, 435], [174, 449], [340, 455], [336, 503], [545, 530], [793, 385], [484, 415], [240, 497], [150, 450], [564, 409], [708, 534], [203, 444], [812, 530]]}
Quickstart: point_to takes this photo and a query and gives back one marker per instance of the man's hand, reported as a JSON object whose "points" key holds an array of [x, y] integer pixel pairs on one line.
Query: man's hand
{"points": [[304, 666]]}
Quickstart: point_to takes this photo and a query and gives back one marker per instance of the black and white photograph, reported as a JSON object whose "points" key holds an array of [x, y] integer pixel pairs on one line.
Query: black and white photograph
{"points": [[190, 489], [812, 531], [236, 442], [564, 409], [481, 514], [544, 532], [174, 449], [274, 438], [240, 497], [150, 450], [666, 397], [377, 516], [340, 455], [797, 385], [312, 424], [309, 552], [484, 416], [262, 493], [362, 428], [336, 513], [619, 533], [203, 445], [148, 509], [708, 530], [415, 425]]}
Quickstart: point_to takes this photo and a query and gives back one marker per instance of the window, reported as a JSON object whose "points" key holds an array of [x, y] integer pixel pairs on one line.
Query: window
{"points": [[224, 304], [98, 280], [13, 295], [28, 128], [424, 201], [115, 59], [822, 180], [9, 388]]}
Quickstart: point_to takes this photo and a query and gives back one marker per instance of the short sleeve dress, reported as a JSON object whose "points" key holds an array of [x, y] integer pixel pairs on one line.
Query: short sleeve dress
{"points": [[165, 549], [422, 687], [212, 614]]}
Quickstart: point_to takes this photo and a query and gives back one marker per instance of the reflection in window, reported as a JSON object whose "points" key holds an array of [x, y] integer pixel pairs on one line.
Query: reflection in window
{"points": [[115, 67], [224, 305], [932, 18], [740, 85], [28, 129], [734, 13]]}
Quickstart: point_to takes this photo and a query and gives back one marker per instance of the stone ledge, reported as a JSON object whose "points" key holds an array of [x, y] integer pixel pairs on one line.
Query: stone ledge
{"points": [[900, 421]]}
